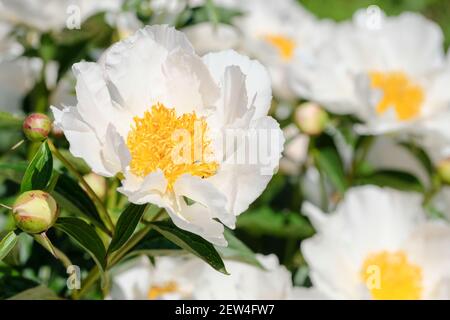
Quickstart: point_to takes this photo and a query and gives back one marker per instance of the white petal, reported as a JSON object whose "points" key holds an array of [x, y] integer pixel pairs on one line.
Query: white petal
{"points": [[188, 83], [204, 192], [197, 219], [83, 140], [258, 84]]}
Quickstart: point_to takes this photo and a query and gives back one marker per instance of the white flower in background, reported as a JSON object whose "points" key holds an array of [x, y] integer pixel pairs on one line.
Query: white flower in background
{"points": [[378, 244], [388, 71], [52, 14], [17, 74], [207, 37], [191, 278], [275, 32], [149, 91]]}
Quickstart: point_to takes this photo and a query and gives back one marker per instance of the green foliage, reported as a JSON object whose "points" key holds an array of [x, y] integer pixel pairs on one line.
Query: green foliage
{"points": [[39, 171], [191, 243]]}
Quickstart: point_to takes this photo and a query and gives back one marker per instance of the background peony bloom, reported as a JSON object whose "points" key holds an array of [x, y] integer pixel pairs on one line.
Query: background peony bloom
{"points": [[275, 32], [152, 88], [189, 278], [390, 73], [378, 244]]}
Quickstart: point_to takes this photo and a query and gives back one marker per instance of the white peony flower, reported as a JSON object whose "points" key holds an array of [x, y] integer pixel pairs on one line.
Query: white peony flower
{"points": [[207, 37], [388, 71], [190, 278], [378, 244], [275, 32], [52, 14], [149, 94]]}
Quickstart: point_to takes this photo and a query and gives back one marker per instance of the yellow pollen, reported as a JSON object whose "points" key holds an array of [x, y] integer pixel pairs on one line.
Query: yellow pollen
{"points": [[156, 292], [284, 45], [399, 92], [174, 144], [390, 276]]}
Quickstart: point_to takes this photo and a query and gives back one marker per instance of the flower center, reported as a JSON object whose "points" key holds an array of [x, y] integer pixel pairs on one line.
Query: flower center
{"points": [[174, 144], [284, 45], [156, 291], [390, 276], [399, 92]]}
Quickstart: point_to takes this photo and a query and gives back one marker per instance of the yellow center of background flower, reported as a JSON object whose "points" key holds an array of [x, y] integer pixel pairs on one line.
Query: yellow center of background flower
{"points": [[156, 292], [154, 143], [284, 45], [399, 92], [390, 276]]}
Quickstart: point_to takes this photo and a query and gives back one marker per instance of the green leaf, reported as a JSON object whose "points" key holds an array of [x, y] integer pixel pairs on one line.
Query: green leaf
{"points": [[328, 161], [392, 178], [7, 244], [154, 244], [10, 121], [237, 250], [36, 293], [127, 223], [39, 171], [85, 236], [265, 221], [192, 243], [421, 155], [74, 199]]}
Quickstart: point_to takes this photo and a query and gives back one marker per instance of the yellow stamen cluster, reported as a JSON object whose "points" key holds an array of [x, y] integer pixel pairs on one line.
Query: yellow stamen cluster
{"points": [[399, 93], [284, 45], [156, 292], [174, 144], [390, 276]]}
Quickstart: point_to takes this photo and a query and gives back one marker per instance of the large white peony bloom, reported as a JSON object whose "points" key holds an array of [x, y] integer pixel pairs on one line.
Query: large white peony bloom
{"points": [[378, 244], [150, 92], [388, 71], [191, 278]]}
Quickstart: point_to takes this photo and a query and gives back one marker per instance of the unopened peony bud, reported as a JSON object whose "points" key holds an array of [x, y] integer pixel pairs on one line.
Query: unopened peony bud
{"points": [[443, 169], [97, 184], [311, 118], [35, 211], [37, 126]]}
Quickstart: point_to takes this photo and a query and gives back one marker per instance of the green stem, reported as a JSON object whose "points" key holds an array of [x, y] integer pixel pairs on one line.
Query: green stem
{"points": [[115, 258], [99, 204]]}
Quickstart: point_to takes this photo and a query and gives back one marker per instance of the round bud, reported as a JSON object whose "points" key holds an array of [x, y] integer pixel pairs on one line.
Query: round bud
{"points": [[443, 169], [311, 118], [35, 211], [97, 184], [37, 127]]}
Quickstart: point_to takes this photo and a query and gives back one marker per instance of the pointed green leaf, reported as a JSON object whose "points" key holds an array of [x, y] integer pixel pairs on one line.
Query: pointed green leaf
{"points": [[191, 243], [127, 223], [39, 171], [85, 236]]}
